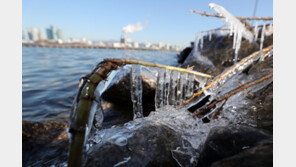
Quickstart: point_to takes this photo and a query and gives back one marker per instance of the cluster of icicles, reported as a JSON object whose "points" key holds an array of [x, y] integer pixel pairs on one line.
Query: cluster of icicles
{"points": [[235, 28], [173, 88]]}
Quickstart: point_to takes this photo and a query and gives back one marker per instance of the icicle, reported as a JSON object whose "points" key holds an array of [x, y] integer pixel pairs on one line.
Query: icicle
{"points": [[190, 84], [170, 88], [270, 29], [179, 88], [231, 29], [262, 37], [196, 43], [238, 44], [165, 87], [185, 87], [159, 90], [201, 42], [136, 91], [234, 37], [174, 89], [256, 31], [210, 35]]}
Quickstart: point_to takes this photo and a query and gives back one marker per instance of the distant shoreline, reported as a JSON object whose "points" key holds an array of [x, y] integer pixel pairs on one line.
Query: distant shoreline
{"points": [[91, 47]]}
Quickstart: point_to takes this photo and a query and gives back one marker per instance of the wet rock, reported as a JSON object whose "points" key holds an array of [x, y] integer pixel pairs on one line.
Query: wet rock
{"points": [[44, 143], [118, 91], [224, 142], [261, 155], [150, 145]]}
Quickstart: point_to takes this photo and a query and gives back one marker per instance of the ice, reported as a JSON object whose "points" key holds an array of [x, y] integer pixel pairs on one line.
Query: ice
{"points": [[189, 85], [179, 88], [122, 162], [231, 71], [173, 88], [196, 43], [159, 89], [270, 30], [235, 26], [210, 35], [201, 42], [262, 36], [256, 30], [232, 21], [136, 91]]}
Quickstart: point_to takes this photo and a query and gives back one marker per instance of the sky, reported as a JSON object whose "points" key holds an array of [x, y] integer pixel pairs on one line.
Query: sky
{"points": [[166, 21]]}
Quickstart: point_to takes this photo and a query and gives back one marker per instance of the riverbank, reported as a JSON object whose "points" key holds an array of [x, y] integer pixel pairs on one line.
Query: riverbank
{"points": [[73, 45]]}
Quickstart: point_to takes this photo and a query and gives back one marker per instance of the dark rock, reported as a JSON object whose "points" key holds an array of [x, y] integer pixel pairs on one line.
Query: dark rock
{"points": [[184, 54], [118, 92], [259, 156], [150, 145], [224, 142], [44, 143]]}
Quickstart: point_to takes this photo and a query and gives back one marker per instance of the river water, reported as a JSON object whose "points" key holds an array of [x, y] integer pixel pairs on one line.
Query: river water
{"points": [[50, 76]]}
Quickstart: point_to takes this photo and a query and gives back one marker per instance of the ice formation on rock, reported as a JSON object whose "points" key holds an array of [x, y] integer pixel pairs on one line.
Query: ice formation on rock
{"points": [[235, 26]]}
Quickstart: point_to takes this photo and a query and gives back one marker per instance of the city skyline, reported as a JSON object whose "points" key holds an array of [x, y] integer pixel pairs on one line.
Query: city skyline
{"points": [[165, 21]]}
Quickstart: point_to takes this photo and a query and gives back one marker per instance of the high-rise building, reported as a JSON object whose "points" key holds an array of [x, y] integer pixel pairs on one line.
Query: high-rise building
{"points": [[41, 34], [25, 36], [52, 33], [33, 34], [59, 34]]}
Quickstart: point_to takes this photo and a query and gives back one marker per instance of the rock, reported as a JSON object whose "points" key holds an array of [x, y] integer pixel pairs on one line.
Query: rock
{"points": [[185, 53], [118, 91], [44, 143], [224, 142], [260, 155], [150, 145]]}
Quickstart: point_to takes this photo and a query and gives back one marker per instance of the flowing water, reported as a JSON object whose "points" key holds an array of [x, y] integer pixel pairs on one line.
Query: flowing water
{"points": [[50, 76]]}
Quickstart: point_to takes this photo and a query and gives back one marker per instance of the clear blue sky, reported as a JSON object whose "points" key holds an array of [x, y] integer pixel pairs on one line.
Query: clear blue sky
{"points": [[167, 21]]}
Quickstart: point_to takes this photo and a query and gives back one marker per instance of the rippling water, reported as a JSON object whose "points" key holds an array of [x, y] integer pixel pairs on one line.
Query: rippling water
{"points": [[51, 75]]}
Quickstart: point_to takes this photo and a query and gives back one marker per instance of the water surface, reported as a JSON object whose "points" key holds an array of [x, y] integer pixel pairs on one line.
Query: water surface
{"points": [[50, 76]]}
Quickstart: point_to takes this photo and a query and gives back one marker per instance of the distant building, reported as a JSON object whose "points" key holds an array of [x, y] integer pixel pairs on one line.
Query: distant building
{"points": [[51, 33], [33, 34], [41, 34], [136, 45], [60, 34], [123, 39], [25, 36]]}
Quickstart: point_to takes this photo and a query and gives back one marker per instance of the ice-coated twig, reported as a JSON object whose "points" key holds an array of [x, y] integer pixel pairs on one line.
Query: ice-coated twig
{"points": [[231, 93], [240, 65], [240, 18], [128, 61]]}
